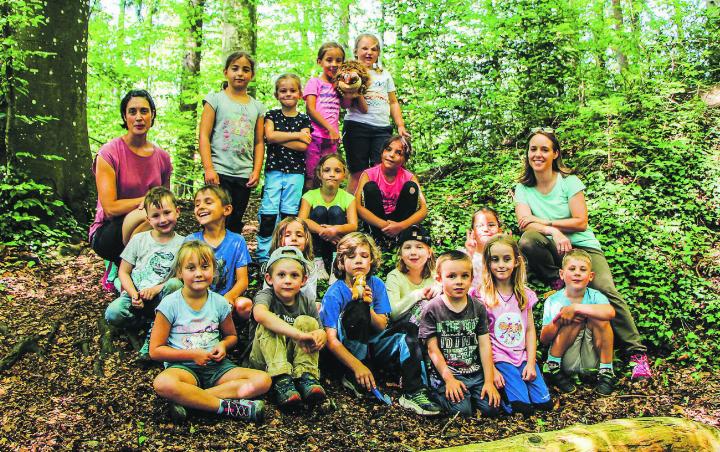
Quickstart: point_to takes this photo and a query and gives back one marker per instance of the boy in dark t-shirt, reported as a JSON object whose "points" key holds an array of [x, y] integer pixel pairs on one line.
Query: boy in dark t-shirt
{"points": [[454, 327]]}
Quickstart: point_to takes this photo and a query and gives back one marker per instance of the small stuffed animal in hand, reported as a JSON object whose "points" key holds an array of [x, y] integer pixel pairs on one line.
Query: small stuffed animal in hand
{"points": [[358, 289]]}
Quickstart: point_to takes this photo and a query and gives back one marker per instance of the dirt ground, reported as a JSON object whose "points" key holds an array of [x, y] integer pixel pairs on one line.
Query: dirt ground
{"points": [[68, 394]]}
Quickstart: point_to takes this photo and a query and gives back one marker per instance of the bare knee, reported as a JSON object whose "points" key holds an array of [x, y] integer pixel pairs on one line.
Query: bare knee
{"points": [[305, 323], [165, 386], [243, 307]]}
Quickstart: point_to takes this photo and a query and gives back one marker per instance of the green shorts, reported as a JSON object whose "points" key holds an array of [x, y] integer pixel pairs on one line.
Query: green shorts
{"points": [[581, 357], [206, 376]]}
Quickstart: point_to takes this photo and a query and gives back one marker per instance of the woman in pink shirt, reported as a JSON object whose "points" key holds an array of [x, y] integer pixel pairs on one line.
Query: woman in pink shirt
{"points": [[125, 169], [388, 196]]}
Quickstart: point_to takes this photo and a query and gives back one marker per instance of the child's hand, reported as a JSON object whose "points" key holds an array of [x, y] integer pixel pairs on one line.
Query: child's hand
{"points": [[498, 378], [393, 229], [150, 293], [201, 357], [137, 302], [306, 342], [211, 177], [455, 390], [320, 338], [364, 377], [566, 315], [492, 393], [304, 136], [253, 180], [528, 372], [334, 134], [367, 294], [218, 353], [432, 291], [470, 243]]}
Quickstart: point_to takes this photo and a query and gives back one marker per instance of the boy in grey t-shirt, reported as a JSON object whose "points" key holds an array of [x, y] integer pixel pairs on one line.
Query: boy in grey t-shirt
{"points": [[146, 263], [286, 332]]}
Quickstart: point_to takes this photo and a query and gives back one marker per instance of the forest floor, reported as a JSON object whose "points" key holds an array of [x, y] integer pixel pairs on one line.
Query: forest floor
{"points": [[69, 394]]}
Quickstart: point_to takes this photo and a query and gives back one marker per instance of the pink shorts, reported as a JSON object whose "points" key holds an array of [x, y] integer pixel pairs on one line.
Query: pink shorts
{"points": [[318, 148]]}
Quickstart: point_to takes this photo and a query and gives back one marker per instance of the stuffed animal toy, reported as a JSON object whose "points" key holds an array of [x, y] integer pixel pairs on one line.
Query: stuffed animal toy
{"points": [[352, 78], [358, 289]]}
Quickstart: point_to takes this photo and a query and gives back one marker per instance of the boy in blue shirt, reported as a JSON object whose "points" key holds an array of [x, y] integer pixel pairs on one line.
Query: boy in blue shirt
{"points": [[576, 326]]}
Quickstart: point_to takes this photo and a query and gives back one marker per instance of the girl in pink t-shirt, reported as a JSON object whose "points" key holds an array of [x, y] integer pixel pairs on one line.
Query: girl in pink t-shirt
{"points": [[388, 196], [509, 306], [323, 106]]}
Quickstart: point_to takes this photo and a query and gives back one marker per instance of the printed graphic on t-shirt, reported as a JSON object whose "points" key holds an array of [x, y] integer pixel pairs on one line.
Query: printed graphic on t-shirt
{"points": [[200, 333], [376, 95], [222, 274], [509, 329], [459, 344], [236, 133]]}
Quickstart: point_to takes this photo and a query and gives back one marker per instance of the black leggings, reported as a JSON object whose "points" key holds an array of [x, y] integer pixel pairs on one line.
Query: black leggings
{"points": [[240, 194], [407, 204], [322, 215]]}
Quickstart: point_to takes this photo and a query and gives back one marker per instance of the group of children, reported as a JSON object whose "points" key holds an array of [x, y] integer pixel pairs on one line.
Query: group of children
{"points": [[459, 343], [457, 331]]}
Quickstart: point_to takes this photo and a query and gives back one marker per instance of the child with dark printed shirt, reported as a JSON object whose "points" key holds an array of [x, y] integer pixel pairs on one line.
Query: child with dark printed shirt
{"points": [[454, 327], [287, 133]]}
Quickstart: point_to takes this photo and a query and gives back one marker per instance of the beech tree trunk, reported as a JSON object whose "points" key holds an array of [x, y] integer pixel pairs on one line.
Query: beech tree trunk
{"points": [[56, 89], [240, 28], [652, 433], [189, 85]]}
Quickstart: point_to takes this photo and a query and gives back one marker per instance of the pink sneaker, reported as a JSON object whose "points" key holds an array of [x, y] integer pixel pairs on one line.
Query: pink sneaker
{"points": [[641, 367], [106, 284]]}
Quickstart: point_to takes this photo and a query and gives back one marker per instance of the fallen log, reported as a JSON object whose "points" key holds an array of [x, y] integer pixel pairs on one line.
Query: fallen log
{"points": [[651, 433]]}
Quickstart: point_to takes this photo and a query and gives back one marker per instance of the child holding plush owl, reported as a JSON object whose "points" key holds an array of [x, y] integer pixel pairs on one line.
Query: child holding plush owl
{"points": [[366, 131]]}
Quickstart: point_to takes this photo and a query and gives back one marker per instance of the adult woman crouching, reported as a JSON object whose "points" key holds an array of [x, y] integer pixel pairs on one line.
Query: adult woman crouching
{"points": [[551, 211], [125, 169]]}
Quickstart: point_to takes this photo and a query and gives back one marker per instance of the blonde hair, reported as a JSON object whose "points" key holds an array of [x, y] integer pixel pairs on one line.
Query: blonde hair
{"points": [[279, 234], [218, 191], [157, 196], [579, 255], [348, 245], [453, 255], [362, 36], [198, 249], [487, 289], [428, 268], [284, 77]]}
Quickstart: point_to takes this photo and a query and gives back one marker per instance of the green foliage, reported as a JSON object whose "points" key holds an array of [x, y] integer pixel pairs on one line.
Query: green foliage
{"points": [[31, 217]]}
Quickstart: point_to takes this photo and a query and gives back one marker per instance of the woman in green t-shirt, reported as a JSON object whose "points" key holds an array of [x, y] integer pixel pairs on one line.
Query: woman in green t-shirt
{"points": [[551, 211]]}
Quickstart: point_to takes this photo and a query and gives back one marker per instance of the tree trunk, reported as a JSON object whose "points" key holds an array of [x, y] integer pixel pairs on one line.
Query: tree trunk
{"points": [[652, 433], [240, 28], [189, 86], [618, 15], [344, 32], [57, 89]]}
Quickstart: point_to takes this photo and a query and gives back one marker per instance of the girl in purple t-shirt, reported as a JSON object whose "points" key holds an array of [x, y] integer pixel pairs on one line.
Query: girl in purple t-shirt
{"points": [[388, 196], [512, 330]]}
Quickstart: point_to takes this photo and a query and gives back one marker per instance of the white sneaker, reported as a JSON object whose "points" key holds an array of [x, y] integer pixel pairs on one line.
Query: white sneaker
{"points": [[322, 274]]}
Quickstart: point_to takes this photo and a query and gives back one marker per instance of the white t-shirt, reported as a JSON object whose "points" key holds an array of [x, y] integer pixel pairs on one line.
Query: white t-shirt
{"points": [[152, 261], [378, 114]]}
